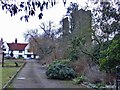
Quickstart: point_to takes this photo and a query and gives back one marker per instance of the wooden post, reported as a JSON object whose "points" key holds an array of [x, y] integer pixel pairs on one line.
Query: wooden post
{"points": [[3, 59]]}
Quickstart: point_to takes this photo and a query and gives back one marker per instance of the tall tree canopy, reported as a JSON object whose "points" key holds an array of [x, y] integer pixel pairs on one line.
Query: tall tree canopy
{"points": [[106, 18], [106, 24]]}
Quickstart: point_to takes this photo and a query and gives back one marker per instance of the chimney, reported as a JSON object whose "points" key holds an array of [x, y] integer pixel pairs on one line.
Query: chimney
{"points": [[15, 40], [2, 40]]}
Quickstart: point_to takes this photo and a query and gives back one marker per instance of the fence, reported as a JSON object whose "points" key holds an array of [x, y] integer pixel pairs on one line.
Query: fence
{"points": [[118, 78]]}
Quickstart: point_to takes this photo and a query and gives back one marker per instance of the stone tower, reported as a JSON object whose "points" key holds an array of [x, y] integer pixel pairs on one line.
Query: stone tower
{"points": [[81, 21], [65, 27]]}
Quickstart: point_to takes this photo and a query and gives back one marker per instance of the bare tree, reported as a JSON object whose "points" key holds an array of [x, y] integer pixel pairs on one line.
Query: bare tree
{"points": [[42, 44], [32, 36], [28, 7], [49, 29]]}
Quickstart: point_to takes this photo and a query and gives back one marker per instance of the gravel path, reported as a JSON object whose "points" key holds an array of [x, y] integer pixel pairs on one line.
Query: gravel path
{"points": [[33, 76]]}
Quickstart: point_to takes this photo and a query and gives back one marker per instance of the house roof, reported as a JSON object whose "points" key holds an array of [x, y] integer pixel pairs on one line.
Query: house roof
{"points": [[17, 46]]}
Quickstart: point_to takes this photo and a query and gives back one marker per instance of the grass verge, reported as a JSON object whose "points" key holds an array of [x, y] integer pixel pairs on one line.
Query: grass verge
{"points": [[9, 70], [7, 74]]}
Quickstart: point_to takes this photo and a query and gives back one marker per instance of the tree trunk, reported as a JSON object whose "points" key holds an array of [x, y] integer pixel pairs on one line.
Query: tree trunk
{"points": [[3, 59]]}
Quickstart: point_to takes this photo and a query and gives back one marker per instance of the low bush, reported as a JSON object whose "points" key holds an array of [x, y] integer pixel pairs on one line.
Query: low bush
{"points": [[65, 62], [57, 70], [79, 79], [100, 85]]}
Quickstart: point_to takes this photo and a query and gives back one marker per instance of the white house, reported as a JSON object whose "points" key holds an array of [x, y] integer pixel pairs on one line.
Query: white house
{"points": [[1, 50], [18, 50]]}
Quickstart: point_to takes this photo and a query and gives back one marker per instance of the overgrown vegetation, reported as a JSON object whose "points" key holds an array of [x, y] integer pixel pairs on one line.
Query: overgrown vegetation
{"points": [[90, 39]]}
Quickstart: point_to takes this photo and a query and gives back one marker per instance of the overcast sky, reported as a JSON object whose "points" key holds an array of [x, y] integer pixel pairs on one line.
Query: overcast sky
{"points": [[12, 27]]}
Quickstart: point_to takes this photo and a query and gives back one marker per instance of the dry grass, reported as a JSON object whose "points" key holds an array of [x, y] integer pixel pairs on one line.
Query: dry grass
{"points": [[110, 78], [79, 66], [93, 74], [48, 59], [83, 66]]}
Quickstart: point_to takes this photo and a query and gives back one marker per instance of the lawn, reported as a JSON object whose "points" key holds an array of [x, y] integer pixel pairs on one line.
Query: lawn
{"points": [[7, 74], [9, 70], [11, 63]]}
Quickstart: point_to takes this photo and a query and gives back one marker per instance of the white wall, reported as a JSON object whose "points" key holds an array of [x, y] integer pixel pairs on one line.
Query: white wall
{"points": [[16, 54], [6, 47], [27, 52]]}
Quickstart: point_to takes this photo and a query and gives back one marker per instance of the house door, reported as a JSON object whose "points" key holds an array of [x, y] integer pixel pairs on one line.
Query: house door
{"points": [[29, 56]]}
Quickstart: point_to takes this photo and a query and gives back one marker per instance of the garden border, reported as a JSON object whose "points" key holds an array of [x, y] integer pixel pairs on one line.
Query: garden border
{"points": [[12, 78]]}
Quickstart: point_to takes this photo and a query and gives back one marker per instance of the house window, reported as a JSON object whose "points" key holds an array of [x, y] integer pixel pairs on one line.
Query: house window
{"points": [[20, 56], [28, 50], [20, 51], [4, 49], [29, 56]]}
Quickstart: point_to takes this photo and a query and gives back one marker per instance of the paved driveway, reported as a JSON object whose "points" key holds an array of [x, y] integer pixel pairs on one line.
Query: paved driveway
{"points": [[33, 76]]}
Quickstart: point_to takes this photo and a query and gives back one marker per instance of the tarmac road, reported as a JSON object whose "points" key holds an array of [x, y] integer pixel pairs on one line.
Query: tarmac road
{"points": [[33, 76]]}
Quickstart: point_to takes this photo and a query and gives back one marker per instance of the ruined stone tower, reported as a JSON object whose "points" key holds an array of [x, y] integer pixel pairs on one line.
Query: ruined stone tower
{"points": [[79, 24], [65, 27]]}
